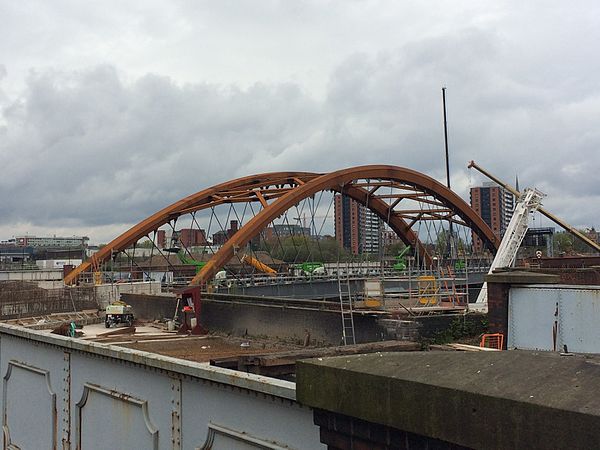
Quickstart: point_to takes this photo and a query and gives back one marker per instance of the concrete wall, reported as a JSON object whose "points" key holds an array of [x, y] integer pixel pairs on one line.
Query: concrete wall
{"points": [[107, 293], [66, 393], [454, 400], [324, 327], [151, 307], [52, 284], [31, 275], [284, 322]]}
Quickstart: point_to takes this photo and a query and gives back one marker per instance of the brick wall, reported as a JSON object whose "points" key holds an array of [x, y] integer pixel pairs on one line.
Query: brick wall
{"points": [[498, 308]]}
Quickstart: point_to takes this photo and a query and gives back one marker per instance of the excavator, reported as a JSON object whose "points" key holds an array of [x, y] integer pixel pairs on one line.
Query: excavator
{"points": [[187, 260], [401, 260], [311, 268]]}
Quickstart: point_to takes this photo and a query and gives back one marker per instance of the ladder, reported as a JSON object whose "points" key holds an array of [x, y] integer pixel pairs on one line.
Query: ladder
{"points": [[530, 201], [448, 277], [346, 311]]}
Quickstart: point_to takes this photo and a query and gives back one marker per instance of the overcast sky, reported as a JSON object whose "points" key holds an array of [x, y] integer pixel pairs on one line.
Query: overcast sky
{"points": [[110, 110]]}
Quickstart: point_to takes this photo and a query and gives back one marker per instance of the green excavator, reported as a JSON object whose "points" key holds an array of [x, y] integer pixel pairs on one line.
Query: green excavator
{"points": [[401, 259], [187, 260], [311, 268]]}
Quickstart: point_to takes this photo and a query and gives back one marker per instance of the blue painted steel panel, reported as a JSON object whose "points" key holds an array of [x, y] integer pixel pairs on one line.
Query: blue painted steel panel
{"points": [[548, 318], [81, 394]]}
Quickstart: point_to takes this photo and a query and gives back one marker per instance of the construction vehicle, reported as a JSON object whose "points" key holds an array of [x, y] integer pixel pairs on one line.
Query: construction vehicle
{"points": [[260, 266], [528, 202], [190, 261], [311, 268], [187, 260], [118, 312], [574, 231], [400, 264]]}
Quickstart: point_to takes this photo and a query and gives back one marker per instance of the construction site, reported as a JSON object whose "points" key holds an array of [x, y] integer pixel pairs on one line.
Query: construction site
{"points": [[271, 292], [277, 290]]}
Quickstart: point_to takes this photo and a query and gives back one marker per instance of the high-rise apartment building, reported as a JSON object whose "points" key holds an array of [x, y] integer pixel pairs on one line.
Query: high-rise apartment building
{"points": [[495, 205], [357, 228]]}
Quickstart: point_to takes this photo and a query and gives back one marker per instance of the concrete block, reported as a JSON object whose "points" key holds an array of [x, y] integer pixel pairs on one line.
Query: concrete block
{"points": [[491, 400]]}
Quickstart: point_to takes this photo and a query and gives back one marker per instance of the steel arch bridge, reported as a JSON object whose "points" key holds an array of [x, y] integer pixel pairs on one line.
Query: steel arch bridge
{"points": [[383, 189]]}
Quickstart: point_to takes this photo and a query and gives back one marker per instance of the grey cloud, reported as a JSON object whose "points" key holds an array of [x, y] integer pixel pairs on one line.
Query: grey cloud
{"points": [[87, 146], [94, 149]]}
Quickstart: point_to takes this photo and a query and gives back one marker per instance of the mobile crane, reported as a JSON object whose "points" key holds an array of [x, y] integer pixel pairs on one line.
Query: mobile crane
{"points": [[549, 215], [528, 202]]}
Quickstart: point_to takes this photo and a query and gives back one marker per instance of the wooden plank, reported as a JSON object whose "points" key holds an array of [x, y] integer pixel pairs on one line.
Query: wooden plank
{"points": [[289, 358], [124, 330], [472, 348]]}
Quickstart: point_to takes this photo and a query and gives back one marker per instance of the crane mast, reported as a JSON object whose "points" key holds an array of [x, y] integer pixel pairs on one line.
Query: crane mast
{"points": [[528, 202]]}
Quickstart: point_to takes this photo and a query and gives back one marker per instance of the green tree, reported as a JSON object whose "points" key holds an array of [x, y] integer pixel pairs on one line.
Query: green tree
{"points": [[441, 243], [394, 249], [308, 248], [565, 242]]}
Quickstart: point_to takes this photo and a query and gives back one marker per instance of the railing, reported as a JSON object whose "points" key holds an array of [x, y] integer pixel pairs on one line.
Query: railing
{"points": [[354, 271]]}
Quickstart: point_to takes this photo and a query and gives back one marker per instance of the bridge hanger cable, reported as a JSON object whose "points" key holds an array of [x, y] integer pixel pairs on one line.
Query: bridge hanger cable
{"points": [[163, 255], [206, 233], [218, 222], [248, 246], [179, 241], [299, 217], [133, 263], [151, 253]]}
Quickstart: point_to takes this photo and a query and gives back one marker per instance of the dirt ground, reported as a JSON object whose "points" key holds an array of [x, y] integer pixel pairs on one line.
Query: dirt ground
{"points": [[205, 348], [154, 338]]}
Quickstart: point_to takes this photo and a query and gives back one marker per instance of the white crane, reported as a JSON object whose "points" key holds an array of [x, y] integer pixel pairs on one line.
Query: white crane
{"points": [[529, 202]]}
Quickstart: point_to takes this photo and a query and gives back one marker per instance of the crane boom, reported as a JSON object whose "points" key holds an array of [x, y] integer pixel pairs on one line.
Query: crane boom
{"points": [[527, 203], [549, 215], [258, 265]]}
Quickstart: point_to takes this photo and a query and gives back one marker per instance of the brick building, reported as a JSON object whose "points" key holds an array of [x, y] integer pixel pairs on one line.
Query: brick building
{"points": [[220, 237], [190, 237]]}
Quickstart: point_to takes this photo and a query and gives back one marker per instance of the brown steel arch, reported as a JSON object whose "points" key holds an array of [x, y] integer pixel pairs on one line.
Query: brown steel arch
{"points": [[255, 188], [341, 181], [260, 188]]}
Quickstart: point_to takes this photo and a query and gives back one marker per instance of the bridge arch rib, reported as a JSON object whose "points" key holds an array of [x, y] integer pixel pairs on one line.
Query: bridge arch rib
{"points": [[260, 188], [342, 181], [255, 188]]}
